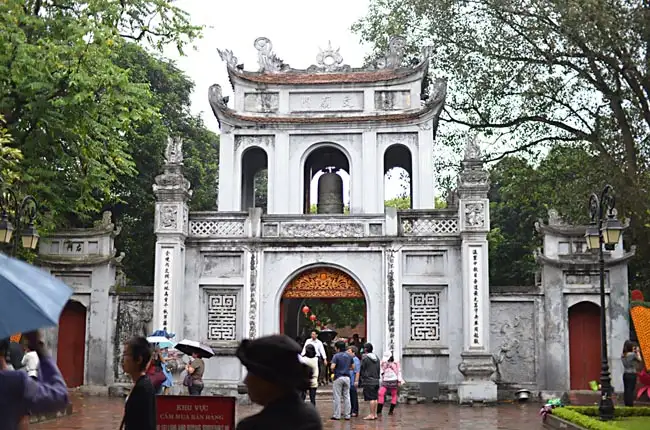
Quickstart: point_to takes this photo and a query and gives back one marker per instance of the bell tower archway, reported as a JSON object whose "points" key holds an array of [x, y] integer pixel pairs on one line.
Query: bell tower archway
{"points": [[334, 292]]}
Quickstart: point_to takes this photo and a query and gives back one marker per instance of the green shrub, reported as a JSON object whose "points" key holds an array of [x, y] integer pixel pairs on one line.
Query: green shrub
{"points": [[587, 416]]}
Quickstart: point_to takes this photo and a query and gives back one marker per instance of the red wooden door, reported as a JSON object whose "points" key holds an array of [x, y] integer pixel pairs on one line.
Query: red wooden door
{"points": [[584, 344], [71, 350]]}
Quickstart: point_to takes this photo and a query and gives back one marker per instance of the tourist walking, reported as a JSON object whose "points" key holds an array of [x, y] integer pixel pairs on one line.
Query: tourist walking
{"points": [[391, 378], [320, 353], [354, 380], [140, 407], [341, 366], [311, 360], [20, 394], [631, 358], [274, 377], [369, 375], [195, 370], [163, 356]]}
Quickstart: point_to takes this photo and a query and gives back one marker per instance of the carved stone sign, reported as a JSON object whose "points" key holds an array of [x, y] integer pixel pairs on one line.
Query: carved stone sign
{"points": [[166, 275], [326, 102], [474, 214], [392, 100], [476, 296], [512, 341]]}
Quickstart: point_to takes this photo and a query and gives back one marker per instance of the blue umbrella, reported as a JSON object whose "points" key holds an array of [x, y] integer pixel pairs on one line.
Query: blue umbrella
{"points": [[30, 298], [163, 333]]}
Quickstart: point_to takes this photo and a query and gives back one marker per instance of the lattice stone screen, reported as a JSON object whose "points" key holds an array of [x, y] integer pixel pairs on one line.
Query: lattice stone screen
{"points": [[424, 310], [216, 228], [428, 226], [222, 315]]}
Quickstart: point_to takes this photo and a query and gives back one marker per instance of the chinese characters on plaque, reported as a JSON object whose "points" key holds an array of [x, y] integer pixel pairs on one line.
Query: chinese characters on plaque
{"points": [[476, 330], [166, 286], [326, 102]]}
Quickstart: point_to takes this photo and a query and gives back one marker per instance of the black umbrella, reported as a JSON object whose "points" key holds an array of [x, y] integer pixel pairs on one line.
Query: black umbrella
{"points": [[189, 347], [327, 335]]}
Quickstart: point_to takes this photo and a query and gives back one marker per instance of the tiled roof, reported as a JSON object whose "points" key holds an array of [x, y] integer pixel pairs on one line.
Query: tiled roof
{"points": [[268, 119]]}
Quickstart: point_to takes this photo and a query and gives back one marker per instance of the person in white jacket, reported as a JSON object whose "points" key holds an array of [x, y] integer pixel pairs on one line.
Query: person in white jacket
{"points": [[30, 363]]}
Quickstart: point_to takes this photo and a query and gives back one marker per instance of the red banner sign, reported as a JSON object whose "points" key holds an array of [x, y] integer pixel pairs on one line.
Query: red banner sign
{"points": [[195, 413]]}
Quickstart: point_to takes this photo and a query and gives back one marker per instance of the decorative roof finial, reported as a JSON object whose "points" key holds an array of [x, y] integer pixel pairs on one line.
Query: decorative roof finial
{"points": [[228, 56], [268, 61], [472, 149], [174, 150], [395, 55], [329, 59]]}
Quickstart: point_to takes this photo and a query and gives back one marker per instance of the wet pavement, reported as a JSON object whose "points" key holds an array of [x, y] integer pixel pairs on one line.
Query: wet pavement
{"points": [[102, 413]]}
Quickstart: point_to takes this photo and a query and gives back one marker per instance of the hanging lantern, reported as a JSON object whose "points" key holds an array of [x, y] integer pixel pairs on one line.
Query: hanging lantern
{"points": [[313, 317], [305, 310]]}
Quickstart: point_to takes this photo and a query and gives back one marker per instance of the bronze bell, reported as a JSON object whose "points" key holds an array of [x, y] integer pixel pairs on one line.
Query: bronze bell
{"points": [[330, 194]]}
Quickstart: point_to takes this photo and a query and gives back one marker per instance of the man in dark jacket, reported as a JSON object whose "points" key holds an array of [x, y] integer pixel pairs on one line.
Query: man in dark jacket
{"points": [[369, 379]]}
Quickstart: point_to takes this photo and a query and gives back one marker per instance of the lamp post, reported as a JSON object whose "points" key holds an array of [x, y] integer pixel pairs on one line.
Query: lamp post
{"points": [[604, 232], [23, 210]]}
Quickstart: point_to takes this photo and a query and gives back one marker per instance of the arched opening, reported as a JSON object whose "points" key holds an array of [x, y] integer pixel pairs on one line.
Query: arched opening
{"points": [[335, 301], [71, 347], [254, 179], [584, 344], [326, 179], [398, 177]]}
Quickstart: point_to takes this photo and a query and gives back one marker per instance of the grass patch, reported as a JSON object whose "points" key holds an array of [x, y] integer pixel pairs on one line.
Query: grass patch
{"points": [[587, 417], [633, 423]]}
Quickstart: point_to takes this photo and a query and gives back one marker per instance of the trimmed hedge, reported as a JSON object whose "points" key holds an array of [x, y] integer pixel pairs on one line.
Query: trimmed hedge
{"points": [[587, 416]]}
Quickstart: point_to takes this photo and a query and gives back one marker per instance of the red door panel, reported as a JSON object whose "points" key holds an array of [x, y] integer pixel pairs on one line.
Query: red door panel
{"points": [[584, 344], [71, 350]]}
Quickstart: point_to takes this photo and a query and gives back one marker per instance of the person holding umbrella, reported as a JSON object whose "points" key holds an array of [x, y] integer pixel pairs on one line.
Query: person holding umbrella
{"points": [[275, 378], [195, 368], [21, 395]]}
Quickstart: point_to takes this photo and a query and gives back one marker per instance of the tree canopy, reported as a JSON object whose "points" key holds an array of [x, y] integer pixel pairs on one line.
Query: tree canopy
{"points": [[540, 73]]}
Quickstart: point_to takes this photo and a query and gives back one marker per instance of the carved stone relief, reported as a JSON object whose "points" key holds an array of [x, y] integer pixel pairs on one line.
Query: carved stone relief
{"points": [[395, 55], [252, 312], [174, 150], [263, 141], [386, 139], [269, 230], [228, 56], [472, 148], [261, 102], [392, 100], [512, 340], [329, 59], [133, 319], [222, 266], [266, 58], [168, 216], [321, 230], [474, 215]]}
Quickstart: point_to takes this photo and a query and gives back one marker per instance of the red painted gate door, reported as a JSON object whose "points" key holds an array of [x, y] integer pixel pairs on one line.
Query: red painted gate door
{"points": [[71, 350], [584, 344]]}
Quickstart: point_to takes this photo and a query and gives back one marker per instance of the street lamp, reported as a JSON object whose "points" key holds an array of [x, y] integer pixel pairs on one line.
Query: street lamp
{"points": [[25, 210], [604, 232]]}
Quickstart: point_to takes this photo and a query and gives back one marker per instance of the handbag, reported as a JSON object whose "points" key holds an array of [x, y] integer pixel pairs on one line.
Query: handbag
{"points": [[156, 376], [187, 381]]}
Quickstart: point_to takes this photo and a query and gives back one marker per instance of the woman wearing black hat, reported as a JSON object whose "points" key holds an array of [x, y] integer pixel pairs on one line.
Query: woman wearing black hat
{"points": [[275, 378]]}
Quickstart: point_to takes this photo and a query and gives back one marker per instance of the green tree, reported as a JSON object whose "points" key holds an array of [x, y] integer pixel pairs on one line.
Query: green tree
{"points": [[9, 157], [341, 313], [170, 92], [68, 105], [532, 73], [521, 194]]}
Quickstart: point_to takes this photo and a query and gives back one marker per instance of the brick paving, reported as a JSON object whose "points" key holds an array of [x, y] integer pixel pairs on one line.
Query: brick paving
{"points": [[101, 413]]}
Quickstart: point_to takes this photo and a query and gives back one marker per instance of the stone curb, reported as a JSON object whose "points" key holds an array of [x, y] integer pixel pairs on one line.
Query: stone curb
{"points": [[553, 422], [51, 416]]}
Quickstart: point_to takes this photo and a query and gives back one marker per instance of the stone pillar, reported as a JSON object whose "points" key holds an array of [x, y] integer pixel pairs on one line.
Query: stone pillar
{"points": [[172, 192], [477, 365]]}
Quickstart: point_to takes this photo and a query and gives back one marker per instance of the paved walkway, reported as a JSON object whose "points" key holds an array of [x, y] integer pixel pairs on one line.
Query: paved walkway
{"points": [[101, 413]]}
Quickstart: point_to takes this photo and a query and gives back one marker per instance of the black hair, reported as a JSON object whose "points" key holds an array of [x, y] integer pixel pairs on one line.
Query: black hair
{"points": [[340, 345], [310, 351], [4, 347], [628, 347], [367, 347], [140, 349]]}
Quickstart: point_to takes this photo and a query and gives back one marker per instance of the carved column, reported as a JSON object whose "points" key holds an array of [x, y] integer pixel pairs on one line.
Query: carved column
{"points": [[172, 192], [477, 364]]}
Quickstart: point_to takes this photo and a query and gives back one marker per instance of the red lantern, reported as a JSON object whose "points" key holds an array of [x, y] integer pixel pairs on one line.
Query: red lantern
{"points": [[305, 310], [313, 317]]}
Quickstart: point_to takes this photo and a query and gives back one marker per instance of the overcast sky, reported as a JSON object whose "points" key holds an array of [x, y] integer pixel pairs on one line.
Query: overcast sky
{"points": [[297, 29]]}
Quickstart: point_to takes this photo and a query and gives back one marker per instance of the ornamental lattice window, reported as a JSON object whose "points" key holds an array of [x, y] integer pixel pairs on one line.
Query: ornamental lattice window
{"points": [[222, 316], [424, 310]]}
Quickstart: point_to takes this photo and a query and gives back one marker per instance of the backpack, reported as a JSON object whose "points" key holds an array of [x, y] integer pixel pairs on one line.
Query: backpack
{"points": [[390, 374]]}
